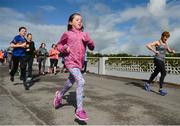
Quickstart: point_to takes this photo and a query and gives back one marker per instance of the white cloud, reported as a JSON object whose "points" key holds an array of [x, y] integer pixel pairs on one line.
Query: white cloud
{"points": [[47, 8], [124, 31], [41, 33], [157, 7], [148, 23], [174, 39], [7, 13], [102, 8]]}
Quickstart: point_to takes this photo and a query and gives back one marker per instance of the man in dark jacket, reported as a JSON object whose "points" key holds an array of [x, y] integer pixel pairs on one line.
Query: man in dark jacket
{"points": [[30, 54]]}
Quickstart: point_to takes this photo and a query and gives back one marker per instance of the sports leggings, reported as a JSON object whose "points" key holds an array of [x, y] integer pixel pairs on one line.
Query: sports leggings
{"points": [[160, 67], [75, 75]]}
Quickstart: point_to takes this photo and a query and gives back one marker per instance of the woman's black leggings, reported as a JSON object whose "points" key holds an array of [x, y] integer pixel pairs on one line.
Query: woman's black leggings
{"points": [[53, 63], [159, 67]]}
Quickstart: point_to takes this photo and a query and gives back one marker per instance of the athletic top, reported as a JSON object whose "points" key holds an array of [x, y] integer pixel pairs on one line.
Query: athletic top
{"points": [[1, 55], [19, 51], [162, 51]]}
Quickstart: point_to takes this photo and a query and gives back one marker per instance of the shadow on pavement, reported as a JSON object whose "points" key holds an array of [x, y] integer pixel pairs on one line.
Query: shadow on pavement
{"points": [[32, 82], [80, 122], [28, 83], [18, 84], [155, 92], [36, 75], [70, 99], [140, 85]]}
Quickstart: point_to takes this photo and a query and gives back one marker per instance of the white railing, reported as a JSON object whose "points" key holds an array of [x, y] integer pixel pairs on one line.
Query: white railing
{"points": [[130, 67], [131, 64]]}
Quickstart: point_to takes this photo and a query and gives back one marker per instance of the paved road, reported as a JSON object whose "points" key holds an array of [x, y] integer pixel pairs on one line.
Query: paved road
{"points": [[108, 100]]}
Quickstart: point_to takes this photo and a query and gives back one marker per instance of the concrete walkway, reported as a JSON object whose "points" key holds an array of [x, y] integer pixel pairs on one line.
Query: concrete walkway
{"points": [[170, 78], [108, 101]]}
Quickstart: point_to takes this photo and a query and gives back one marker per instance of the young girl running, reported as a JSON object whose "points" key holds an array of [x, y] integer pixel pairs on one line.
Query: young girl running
{"points": [[73, 44], [161, 47]]}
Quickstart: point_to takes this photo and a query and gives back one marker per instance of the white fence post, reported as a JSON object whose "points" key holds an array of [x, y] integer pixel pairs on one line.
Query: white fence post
{"points": [[101, 67]]}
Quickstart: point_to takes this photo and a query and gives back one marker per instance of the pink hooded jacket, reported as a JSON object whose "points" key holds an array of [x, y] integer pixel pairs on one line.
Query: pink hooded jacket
{"points": [[75, 42]]}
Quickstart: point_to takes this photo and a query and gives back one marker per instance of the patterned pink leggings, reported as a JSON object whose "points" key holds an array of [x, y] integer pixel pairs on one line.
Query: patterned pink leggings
{"points": [[75, 75]]}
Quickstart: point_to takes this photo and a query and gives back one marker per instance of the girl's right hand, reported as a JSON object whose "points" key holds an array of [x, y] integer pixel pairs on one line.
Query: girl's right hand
{"points": [[66, 49]]}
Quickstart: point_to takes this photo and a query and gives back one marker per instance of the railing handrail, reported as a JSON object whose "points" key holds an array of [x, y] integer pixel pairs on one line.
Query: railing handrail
{"points": [[133, 57]]}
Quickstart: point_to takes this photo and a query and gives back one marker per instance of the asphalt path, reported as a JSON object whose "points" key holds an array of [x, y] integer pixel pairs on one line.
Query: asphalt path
{"points": [[107, 100]]}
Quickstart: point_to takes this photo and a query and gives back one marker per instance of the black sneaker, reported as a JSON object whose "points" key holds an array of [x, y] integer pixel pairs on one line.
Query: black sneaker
{"points": [[26, 88], [12, 78], [25, 85]]}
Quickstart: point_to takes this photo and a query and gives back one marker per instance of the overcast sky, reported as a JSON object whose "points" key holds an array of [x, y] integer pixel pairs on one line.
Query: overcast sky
{"points": [[116, 26]]}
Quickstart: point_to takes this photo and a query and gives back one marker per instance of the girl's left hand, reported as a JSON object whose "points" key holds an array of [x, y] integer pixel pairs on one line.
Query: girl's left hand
{"points": [[85, 37]]}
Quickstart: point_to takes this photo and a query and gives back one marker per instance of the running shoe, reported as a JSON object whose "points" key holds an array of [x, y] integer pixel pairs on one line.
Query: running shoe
{"points": [[81, 115]]}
